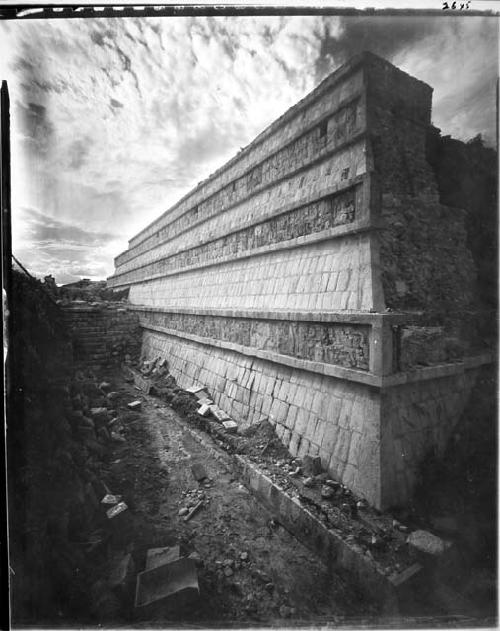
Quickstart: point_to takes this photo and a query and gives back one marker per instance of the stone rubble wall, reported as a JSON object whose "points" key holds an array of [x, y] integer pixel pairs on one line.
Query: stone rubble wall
{"points": [[102, 334]]}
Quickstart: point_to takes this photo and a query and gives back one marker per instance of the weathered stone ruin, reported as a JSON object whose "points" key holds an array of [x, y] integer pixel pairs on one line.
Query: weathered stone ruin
{"points": [[324, 278]]}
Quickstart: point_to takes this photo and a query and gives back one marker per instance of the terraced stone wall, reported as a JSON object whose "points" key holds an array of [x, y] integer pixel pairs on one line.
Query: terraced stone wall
{"points": [[300, 280]]}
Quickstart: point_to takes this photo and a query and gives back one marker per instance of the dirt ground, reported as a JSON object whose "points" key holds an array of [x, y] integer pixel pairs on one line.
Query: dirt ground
{"points": [[251, 570]]}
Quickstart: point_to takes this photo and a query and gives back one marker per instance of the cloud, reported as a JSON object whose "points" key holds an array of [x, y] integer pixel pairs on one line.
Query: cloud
{"points": [[115, 119], [46, 230], [47, 245], [457, 56]]}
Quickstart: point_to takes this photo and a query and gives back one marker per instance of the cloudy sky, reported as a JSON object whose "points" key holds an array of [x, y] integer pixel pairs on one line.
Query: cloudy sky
{"points": [[114, 119]]}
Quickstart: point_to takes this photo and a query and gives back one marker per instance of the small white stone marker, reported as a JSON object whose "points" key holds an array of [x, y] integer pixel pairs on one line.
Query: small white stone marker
{"points": [[116, 510], [428, 543], [111, 499], [230, 426], [194, 389]]}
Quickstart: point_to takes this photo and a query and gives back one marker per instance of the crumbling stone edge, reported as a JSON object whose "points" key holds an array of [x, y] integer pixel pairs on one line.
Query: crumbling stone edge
{"points": [[387, 591]]}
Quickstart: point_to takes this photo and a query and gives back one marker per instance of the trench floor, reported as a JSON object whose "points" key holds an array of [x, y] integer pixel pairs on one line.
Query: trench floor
{"points": [[252, 571]]}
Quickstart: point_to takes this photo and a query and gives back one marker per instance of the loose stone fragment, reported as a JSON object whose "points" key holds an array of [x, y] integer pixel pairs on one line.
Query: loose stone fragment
{"points": [[219, 414], [116, 510], [230, 426], [205, 401], [194, 510], [327, 492], [427, 543], [111, 499]]}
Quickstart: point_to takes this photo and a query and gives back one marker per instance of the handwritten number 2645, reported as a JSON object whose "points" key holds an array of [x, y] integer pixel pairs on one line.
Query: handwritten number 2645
{"points": [[460, 6]]}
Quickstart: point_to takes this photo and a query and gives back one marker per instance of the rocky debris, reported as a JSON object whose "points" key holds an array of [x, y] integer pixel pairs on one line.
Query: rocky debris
{"points": [[311, 466], [118, 438], [194, 510], [327, 492], [331, 501]]}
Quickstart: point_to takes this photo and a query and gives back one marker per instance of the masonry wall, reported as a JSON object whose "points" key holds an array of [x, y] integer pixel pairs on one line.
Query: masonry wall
{"points": [[313, 414], [300, 280], [101, 334]]}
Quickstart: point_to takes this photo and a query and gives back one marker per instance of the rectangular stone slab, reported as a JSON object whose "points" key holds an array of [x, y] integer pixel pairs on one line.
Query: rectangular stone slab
{"points": [[174, 580], [160, 556]]}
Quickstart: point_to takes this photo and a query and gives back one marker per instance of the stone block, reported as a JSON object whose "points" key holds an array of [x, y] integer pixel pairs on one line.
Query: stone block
{"points": [[427, 545]]}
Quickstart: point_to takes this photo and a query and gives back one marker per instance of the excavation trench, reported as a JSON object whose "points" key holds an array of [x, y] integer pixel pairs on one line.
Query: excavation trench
{"points": [[65, 455], [250, 567]]}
